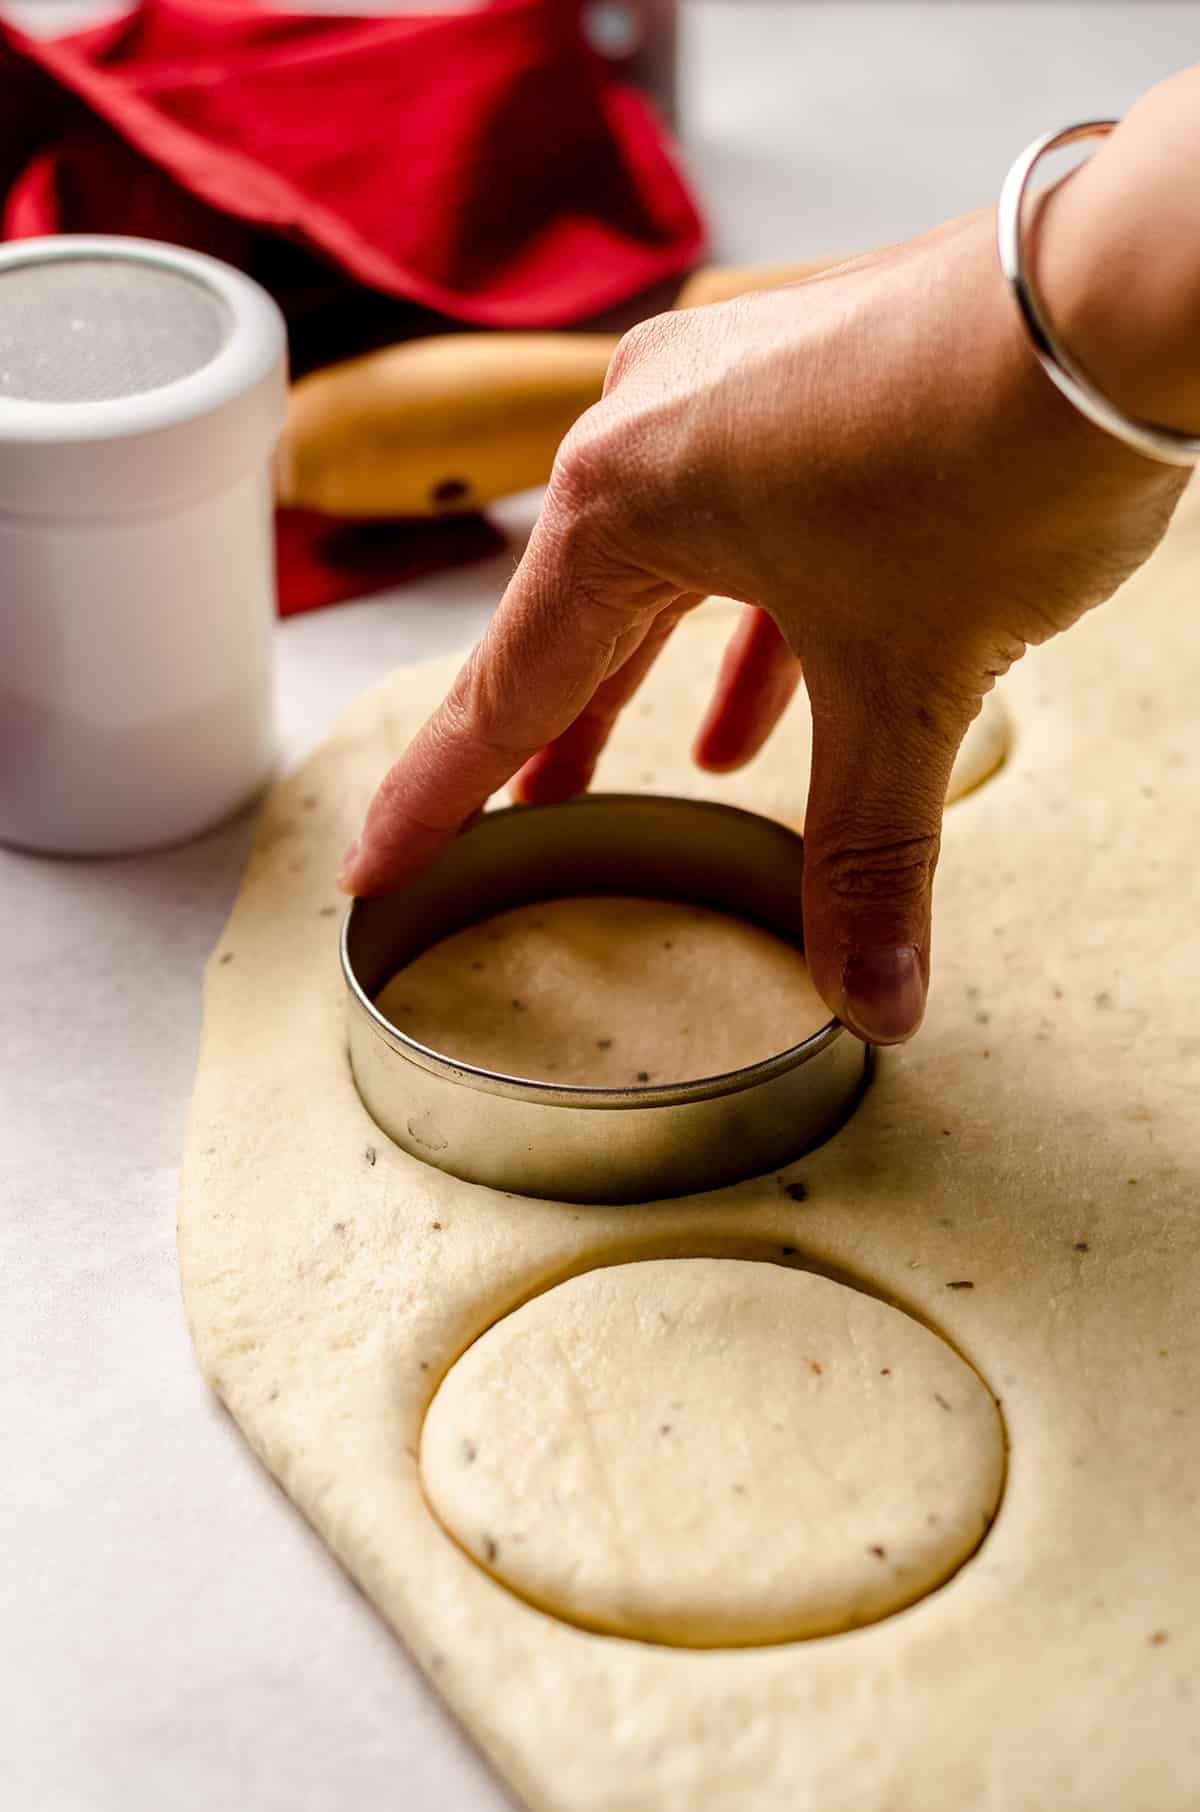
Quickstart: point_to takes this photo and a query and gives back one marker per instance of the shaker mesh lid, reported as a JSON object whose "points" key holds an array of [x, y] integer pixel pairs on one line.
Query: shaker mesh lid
{"points": [[134, 377], [83, 329]]}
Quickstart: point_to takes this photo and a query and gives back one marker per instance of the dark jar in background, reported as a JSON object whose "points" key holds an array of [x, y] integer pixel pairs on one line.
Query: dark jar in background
{"points": [[640, 38]]}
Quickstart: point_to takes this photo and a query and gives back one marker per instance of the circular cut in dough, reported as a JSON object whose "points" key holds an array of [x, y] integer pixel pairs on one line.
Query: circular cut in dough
{"points": [[711, 1452], [607, 992], [653, 735]]}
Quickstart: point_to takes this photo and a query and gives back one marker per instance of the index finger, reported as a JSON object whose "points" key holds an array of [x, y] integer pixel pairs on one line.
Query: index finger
{"points": [[556, 636]]}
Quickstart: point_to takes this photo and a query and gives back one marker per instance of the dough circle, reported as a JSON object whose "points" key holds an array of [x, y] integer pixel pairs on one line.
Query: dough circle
{"points": [[607, 992], [714, 1452]]}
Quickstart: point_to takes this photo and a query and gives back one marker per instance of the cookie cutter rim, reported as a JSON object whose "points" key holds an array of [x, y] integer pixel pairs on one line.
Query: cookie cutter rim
{"points": [[629, 838]]}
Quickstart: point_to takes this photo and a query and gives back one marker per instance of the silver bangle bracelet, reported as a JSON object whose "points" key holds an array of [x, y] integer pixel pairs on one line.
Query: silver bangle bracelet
{"points": [[1170, 445]]}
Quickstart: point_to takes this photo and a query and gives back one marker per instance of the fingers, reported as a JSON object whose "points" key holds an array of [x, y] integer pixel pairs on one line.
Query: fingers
{"points": [[758, 678], [566, 766], [881, 766], [551, 643]]}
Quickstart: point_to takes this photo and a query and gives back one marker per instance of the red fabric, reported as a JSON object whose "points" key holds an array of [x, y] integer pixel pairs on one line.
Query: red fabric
{"points": [[481, 165], [324, 559]]}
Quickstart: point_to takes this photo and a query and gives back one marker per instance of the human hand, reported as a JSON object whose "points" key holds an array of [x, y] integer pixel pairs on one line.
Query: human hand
{"points": [[874, 462]]}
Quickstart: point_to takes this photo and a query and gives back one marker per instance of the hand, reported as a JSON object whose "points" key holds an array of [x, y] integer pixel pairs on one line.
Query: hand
{"points": [[873, 460]]}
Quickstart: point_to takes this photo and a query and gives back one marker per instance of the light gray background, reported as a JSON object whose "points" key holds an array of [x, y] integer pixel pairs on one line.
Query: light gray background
{"points": [[172, 1638]]}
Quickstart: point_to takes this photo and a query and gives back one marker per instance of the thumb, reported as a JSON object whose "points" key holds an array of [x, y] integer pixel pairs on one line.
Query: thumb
{"points": [[880, 769]]}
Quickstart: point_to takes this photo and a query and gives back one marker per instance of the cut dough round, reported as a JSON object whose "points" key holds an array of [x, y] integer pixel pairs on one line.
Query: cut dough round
{"points": [[650, 738], [712, 1452], [607, 993], [983, 749]]}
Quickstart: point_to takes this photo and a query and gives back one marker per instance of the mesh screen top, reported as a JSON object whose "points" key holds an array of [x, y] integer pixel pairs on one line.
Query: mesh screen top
{"points": [[80, 330]]}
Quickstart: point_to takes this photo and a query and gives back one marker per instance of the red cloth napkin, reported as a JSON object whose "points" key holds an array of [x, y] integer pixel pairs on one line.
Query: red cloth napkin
{"points": [[483, 165], [324, 559]]}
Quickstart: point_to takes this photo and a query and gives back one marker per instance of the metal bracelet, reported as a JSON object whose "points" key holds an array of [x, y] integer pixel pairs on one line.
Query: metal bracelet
{"points": [[1170, 445]]}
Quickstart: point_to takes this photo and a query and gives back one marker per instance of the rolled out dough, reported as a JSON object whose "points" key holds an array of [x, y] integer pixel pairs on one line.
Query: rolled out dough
{"points": [[607, 993], [855, 1463], [1024, 1177]]}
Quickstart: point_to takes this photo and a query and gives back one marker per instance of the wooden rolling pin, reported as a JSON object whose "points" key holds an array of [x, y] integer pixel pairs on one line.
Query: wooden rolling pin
{"points": [[447, 424]]}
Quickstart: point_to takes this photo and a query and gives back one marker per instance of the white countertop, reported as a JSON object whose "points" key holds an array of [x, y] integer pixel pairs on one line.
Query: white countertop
{"points": [[172, 1637]]}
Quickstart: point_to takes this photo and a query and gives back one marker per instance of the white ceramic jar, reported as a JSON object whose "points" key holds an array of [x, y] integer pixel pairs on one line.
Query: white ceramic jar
{"points": [[142, 389]]}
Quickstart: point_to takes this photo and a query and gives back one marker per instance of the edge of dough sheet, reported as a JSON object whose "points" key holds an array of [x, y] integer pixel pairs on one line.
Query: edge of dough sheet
{"points": [[1024, 1177]]}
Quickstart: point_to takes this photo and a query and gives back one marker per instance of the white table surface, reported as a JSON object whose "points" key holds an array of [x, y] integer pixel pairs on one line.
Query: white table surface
{"points": [[172, 1636]]}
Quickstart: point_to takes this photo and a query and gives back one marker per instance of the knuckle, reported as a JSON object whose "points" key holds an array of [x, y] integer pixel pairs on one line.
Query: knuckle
{"points": [[478, 711], [590, 519], [588, 475], [895, 873], [636, 346]]}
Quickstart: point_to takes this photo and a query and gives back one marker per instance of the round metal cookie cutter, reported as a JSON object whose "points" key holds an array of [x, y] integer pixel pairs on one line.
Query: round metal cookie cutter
{"points": [[594, 1144]]}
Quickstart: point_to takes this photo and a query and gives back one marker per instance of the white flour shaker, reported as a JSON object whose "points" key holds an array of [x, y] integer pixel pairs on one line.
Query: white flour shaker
{"points": [[142, 389]]}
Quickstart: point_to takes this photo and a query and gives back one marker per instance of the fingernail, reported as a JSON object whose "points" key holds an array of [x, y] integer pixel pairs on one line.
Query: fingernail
{"points": [[348, 861], [883, 994]]}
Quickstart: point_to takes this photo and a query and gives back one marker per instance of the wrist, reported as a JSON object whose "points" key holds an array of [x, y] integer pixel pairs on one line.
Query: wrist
{"points": [[1114, 251]]}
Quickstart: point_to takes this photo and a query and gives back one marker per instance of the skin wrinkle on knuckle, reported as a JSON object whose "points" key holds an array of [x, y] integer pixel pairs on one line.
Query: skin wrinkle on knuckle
{"points": [[475, 710], [584, 542], [892, 873], [605, 598]]}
